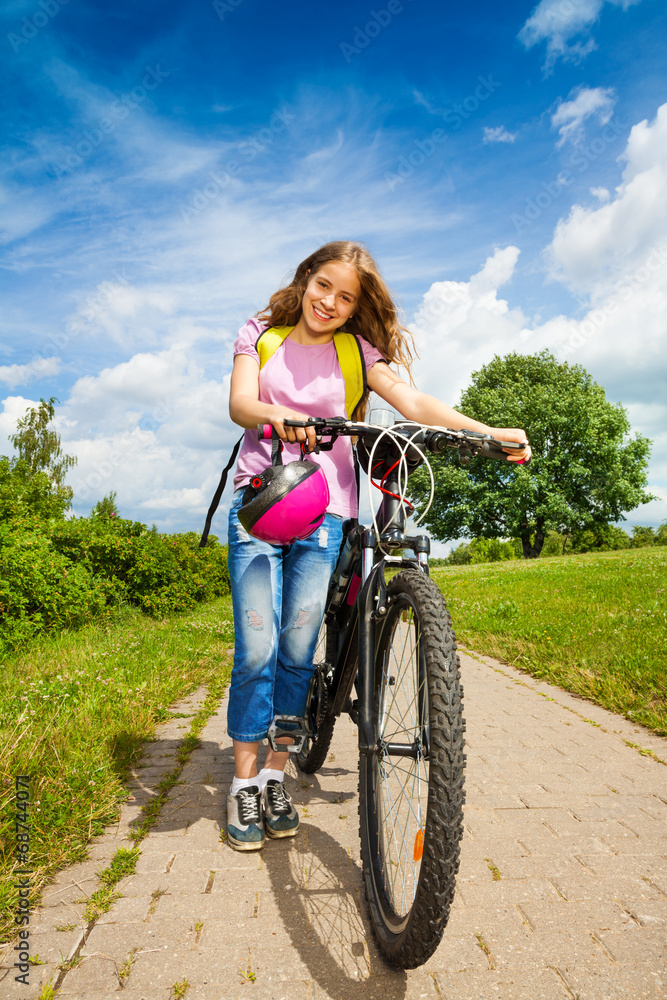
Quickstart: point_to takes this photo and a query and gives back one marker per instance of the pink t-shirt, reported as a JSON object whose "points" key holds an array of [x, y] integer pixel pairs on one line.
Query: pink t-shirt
{"points": [[308, 379]]}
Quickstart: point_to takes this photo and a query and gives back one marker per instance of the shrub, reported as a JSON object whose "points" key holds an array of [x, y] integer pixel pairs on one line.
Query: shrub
{"points": [[480, 550], [65, 572], [460, 556], [554, 544], [642, 536], [159, 573], [491, 550], [29, 498], [599, 538], [42, 589]]}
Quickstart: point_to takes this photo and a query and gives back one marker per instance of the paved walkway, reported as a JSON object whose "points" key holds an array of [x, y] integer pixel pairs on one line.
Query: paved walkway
{"points": [[562, 891]]}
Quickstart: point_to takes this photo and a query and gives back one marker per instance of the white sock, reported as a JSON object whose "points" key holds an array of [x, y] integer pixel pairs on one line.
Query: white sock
{"points": [[269, 774], [239, 783]]}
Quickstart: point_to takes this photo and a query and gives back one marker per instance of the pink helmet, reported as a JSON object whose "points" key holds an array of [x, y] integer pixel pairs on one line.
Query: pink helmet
{"points": [[285, 502]]}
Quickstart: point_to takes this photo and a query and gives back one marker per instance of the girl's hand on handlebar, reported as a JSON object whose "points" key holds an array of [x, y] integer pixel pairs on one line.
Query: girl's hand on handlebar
{"points": [[293, 434], [513, 434]]}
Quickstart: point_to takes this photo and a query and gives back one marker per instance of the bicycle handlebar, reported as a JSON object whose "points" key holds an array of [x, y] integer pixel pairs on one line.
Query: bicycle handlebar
{"points": [[436, 440]]}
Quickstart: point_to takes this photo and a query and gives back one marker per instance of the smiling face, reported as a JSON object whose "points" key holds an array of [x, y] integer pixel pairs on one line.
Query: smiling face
{"points": [[331, 297]]}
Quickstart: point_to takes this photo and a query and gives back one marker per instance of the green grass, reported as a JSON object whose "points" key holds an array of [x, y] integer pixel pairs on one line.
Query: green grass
{"points": [[75, 711], [594, 624]]}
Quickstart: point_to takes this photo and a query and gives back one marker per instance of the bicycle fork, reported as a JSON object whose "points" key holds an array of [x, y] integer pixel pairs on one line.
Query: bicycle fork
{"points": [[372, 606]]}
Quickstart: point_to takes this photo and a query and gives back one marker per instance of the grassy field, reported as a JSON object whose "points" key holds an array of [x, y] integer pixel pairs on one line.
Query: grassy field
{"points": [[595, 624], [74, 712]]}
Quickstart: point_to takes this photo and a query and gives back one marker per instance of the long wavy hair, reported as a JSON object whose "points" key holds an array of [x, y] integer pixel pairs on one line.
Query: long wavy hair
{"points": [[375, 316]]}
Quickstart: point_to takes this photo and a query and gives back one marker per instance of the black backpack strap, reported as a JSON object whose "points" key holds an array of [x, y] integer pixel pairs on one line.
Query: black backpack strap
{"points": [[218, 493]]}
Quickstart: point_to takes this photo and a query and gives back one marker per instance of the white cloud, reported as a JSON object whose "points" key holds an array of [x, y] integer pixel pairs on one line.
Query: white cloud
{"points": [[13, 375], [595, 248], [565, 26], [460, 325], [155, 429], [498, 134], [584, 102]]}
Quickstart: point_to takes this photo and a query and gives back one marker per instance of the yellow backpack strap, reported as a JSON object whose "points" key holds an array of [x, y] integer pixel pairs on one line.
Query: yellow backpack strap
{"points": [[353, 367], [350, 359], [269, 341]]}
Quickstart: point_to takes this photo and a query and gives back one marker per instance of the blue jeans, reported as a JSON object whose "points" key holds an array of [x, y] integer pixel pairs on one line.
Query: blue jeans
{"points": [[278, 595]]}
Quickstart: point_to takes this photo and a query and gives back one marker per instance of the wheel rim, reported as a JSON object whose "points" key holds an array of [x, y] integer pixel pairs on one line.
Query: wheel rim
{"points": [[401, 782]]}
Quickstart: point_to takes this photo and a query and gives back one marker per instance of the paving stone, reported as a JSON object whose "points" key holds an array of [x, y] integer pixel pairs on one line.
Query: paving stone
{"points": [[642, 947], [116, 940], [51, 918], [127, 910], [549, 846], [53, 946], [649, 866], [156, 861], [495, 985], [482, 896], [590, 915], [213, 859], [96, 974], [650, 912], [585, 887], [145, 885], [622, 985], [129, 994]]}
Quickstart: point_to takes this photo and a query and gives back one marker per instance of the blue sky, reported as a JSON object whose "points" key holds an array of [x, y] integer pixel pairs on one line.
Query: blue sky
{"points": [[166, 166]]}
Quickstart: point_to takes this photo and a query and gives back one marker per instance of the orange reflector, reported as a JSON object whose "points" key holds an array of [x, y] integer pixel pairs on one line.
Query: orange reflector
{"points": [[419, 846]]}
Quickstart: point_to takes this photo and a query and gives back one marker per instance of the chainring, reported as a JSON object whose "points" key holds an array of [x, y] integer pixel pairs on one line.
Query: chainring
{"points": [[318, 699]]}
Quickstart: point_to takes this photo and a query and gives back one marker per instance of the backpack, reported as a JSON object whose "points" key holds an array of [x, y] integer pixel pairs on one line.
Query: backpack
{"points": [[352, 365]]}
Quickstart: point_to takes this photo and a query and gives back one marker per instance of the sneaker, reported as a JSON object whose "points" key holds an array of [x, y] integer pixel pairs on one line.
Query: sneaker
{"points": [[280, 817], [245, 830]]}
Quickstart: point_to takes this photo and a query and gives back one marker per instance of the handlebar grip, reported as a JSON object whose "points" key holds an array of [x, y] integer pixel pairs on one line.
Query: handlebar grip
{"points": [[496, 453], [264, 432], [489, 451]]}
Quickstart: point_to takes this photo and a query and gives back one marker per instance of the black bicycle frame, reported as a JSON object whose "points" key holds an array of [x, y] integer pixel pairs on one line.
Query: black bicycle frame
{"points": [[356, 627]]}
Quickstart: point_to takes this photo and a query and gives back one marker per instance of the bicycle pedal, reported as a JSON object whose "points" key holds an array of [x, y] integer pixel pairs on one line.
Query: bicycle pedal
{"points": [[298, 733]]}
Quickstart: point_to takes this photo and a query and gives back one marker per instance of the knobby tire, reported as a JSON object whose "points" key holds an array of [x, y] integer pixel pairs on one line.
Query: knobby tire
{"points": [[409, 898]]}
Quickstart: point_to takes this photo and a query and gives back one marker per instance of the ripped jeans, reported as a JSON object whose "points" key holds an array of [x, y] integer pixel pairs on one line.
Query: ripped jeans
{"points": [[278, 594]]}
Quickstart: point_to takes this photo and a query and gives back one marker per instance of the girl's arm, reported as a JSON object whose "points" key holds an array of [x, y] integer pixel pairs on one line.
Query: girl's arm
{"points": [[425, 409], [246, 409]]}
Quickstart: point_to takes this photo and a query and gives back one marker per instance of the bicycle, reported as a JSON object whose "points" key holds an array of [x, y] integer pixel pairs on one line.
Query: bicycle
{"points": [[393, 641]]}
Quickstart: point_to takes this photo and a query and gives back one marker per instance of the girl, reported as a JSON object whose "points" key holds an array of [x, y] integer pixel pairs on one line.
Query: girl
{"points": [[278, 592]]}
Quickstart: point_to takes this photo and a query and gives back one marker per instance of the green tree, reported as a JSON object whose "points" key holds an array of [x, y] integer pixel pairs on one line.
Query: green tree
{"points": [[642, 536], [599, 538], [39, 445], [29, 498], [106, 507], [585, 470]]}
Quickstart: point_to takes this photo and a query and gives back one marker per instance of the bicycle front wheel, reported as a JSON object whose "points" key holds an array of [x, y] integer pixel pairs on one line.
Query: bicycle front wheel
{"points": [[411, 788]]}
